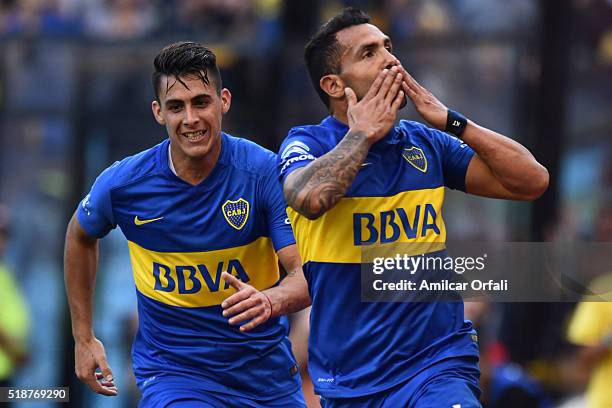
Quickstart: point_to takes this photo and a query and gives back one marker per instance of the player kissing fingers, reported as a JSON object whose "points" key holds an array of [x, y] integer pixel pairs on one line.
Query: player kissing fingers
{"points": [[376, 112], [246, 305]]}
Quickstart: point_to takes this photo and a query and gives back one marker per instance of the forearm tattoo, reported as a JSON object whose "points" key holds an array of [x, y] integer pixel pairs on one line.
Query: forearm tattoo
{"points": [[322, 183]]}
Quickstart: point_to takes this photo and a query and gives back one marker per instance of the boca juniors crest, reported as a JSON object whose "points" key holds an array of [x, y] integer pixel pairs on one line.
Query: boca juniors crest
{"points": [[236, 212], [416, 158]]}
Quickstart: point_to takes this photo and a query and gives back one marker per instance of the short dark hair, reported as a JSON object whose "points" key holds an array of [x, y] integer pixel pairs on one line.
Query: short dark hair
{"points": [[184, 59], [323, 52]]}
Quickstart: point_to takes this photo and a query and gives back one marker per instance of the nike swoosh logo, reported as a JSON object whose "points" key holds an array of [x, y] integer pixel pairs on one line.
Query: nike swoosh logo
{"points": [[365, 164], [143, 222]]}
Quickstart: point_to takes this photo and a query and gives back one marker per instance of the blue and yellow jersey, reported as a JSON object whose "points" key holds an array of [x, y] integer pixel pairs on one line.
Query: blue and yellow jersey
{"points": [[358, 348], [181, 238]]}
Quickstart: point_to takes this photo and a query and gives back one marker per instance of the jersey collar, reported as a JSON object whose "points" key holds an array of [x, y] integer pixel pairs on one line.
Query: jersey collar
{"points": [[211, 180]]}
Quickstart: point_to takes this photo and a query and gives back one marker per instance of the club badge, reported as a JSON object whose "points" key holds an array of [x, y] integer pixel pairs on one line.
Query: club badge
{"points": [[236, 212], [416, 158]]}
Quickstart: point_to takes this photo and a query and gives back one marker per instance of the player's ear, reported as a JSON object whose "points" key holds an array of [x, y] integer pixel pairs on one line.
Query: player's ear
{"points": [[332, 85], [156, 108], [226, 100]]}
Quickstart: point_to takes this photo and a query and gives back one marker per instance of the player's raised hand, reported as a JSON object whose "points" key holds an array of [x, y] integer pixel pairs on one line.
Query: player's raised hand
{"points": [[376, 112], [89, 357], [429, 107], [247, 304]]}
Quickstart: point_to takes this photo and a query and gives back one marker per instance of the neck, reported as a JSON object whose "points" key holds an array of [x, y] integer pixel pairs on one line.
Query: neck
{"points": [[339, 112], [194, 170]]}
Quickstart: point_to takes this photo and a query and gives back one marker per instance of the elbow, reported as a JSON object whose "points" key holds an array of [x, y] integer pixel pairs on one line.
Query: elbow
{"points": [[306, 204], [311, 201], [537, 184], [312, 212], [307, 302]]}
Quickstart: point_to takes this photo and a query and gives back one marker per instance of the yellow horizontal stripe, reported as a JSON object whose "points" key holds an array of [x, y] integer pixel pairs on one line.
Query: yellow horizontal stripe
{"points": [[193, 279], [331, 238]]}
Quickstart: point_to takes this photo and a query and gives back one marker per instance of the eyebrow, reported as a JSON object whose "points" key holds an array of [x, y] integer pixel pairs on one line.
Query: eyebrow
{"points": [[372, 45], [204, 96]]}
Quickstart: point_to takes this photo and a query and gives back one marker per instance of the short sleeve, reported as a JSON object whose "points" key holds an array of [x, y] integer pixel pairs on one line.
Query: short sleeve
{"points": [[299, 148], [95, 213], [275, 207], [455, 156]]}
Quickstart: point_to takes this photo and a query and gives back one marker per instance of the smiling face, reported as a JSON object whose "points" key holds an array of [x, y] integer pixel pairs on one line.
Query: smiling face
{"points": [[365, 52], [192, 112]]}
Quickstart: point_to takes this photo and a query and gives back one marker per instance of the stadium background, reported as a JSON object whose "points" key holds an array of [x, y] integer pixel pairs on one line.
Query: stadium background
{"points": [[75, 96]]}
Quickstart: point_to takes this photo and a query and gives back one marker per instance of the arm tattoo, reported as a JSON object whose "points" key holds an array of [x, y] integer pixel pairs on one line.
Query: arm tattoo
{"points": [[322, 183]]}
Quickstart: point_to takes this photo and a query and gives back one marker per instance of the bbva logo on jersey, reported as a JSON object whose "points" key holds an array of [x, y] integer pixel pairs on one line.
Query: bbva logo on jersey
{"points": [[372, 228], [236, 212], [416, 157], [188, 279]]}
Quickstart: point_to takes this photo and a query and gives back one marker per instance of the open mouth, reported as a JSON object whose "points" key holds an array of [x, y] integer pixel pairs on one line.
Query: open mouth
{"points": [[195, 136]]}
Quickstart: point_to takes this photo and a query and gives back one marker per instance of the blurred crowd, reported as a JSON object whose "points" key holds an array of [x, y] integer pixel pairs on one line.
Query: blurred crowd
{"points": [[75, 95], [137, 19], [121, 20]]}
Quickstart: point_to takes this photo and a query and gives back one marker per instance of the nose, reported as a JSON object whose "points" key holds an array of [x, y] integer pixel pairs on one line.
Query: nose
{"points": [[391, 60], [190, 118]]}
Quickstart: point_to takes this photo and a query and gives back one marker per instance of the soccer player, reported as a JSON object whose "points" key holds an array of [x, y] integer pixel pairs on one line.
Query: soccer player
{"points": [[203, 214], [356, 179]]}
